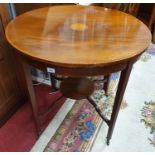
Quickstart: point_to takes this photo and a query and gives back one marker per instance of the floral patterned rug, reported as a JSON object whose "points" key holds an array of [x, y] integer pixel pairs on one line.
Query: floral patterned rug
{"points": [[148, 113], [76, 130]]}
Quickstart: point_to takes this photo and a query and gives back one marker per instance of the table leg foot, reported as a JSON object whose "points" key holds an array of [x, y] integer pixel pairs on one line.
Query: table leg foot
{"points": [[108, 141], [38, 134]]}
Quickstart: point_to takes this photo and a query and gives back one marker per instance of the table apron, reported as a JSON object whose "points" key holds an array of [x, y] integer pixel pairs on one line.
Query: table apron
{"points": [[79, 71]]}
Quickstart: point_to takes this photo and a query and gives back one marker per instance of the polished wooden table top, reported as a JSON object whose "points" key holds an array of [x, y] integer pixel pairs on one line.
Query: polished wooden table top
{"points": [[73, 35]]}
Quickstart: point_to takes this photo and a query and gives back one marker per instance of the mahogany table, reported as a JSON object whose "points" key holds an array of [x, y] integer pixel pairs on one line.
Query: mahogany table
{"points": [[79, 41]]}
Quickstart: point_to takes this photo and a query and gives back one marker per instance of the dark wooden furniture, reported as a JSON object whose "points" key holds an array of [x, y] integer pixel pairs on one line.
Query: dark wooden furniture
{"points": [[10, 90], [146, 13], [24, 7], [79, 41]]}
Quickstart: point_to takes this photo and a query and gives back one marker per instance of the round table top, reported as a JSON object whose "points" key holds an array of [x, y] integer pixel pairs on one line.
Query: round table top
{"points": [[74, 35]]}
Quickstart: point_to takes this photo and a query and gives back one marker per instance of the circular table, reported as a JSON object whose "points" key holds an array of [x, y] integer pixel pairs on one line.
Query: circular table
{"points": [[79, 41]]}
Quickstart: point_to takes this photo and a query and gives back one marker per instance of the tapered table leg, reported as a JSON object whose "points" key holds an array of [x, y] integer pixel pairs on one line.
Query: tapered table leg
{"points": [[53, 81], [118, 98], [32, 96], [106, 84]]}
